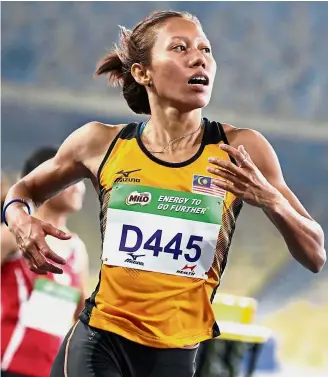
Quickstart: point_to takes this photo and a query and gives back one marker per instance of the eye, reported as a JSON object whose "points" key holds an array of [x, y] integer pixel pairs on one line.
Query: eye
{"points": [[207, 50], [180, 48]]}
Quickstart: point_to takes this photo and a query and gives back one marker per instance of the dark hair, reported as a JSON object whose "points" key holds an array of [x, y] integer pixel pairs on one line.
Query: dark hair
{"points": [[37, 158], [135, 47]]}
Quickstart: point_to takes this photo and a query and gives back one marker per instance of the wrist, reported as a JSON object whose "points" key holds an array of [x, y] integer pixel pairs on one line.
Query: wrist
{"points": [[16, 210], [276, 203]]}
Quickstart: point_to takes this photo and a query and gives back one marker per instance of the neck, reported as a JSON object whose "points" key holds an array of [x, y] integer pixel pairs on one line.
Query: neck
{"points": [[55, 218], [168, 124]]}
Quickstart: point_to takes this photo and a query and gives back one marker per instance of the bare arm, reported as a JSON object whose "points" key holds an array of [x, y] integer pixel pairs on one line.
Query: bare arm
{"points": [[78, 157], [259, 181], [50, 177], [303, 235]]}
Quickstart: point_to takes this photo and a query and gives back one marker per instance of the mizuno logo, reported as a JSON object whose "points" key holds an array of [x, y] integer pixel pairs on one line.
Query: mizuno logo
{"points": [[127, 173], [134, 257], [125, 176]]}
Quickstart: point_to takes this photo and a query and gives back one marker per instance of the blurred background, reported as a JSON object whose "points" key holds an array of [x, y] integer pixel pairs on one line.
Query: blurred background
{"points": [[272, 76]]}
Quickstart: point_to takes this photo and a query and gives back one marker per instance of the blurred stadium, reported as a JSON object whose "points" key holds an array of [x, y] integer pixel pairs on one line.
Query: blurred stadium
{"points": [[272, 76]]}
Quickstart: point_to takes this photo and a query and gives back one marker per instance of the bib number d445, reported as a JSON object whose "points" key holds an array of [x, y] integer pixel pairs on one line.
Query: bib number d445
{"points": [[141, 234], [132, 240]]}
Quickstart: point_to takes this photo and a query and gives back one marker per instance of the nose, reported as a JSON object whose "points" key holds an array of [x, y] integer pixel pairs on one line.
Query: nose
{"points": [[197, 60]]}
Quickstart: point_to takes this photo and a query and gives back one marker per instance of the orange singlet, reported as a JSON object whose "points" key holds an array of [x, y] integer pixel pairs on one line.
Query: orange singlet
{"points": [[166, 232]]}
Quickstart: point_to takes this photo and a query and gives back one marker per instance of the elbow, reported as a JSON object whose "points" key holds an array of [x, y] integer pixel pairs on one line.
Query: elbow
{"points": [[320, 255], [318, 263]]}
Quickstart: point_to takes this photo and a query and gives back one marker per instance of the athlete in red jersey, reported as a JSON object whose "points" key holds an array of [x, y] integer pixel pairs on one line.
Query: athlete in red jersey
{"points": [[36, 310]]}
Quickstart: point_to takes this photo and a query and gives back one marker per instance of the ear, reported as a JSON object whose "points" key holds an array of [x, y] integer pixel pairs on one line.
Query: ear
{"points": [[140, 74]]}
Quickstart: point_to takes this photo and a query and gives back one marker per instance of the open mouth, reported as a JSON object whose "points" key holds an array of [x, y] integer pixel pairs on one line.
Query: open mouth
{"points": [[198, 80]]}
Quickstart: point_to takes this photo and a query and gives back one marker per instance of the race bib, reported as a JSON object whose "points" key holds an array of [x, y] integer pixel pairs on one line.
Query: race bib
{"points": [[167, 231], [50, 308]]}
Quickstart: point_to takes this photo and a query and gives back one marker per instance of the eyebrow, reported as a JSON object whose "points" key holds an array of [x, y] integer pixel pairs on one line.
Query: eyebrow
{"points": [[187, 38]]}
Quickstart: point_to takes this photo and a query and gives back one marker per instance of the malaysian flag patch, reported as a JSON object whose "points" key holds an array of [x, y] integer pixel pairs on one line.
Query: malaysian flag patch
{"points": [[204, 185]]}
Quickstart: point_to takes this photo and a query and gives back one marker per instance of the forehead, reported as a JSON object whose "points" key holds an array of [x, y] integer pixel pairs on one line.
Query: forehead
{"points": [[181, 28]]}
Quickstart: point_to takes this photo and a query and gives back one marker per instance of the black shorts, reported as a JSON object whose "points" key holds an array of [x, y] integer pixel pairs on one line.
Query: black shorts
{"points": [[90, 352]]}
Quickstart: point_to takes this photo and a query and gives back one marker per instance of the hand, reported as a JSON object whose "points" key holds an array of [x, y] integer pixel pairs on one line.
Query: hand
{"points": [[245, 180], [30, 236]]}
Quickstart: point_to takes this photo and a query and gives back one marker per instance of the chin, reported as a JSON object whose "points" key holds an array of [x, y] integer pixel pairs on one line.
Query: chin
{"points": [[193, 104], [199, 104], [196, 100]]}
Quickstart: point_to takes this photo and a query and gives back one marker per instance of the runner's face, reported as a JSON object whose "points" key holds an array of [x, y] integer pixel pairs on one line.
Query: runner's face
{"points": [[181, 51], [69, 200]]}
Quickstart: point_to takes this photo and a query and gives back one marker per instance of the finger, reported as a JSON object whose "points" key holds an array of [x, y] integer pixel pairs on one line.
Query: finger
{"points": [[232, 151], [39, 261], [34, 269], [51, 268], [242, 149], [42, 268], [52, 231], [239, 156], [48, 253], [227, 165], [32, 253], [223, 174], [37, 271], [247, 157], [228, 187]]}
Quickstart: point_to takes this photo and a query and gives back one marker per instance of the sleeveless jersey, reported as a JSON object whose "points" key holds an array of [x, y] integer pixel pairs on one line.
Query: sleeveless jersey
{"points": [[26, 350], [166, 231]]}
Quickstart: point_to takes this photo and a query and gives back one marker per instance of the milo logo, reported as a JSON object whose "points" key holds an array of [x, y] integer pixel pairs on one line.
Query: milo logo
{"points": [[142, 198]]}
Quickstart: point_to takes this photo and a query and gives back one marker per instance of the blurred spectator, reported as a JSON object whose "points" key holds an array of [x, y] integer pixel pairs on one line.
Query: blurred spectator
{"points": [[38, 310]]}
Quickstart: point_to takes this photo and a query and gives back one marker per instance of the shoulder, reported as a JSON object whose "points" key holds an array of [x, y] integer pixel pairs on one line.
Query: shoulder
{"points": [[256, 145], [237, 136], [253, 141], [95, 134], [98, 135], [98, 129], [87, 143]]}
